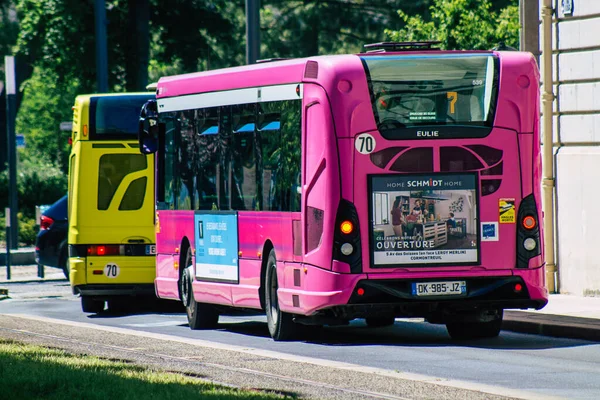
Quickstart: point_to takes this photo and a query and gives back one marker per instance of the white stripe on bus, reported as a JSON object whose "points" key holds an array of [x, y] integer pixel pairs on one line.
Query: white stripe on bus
{"points": [[230, 97]]}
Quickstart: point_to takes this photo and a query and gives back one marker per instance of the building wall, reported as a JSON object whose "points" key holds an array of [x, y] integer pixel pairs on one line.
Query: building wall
{"points": [[576, 60]]}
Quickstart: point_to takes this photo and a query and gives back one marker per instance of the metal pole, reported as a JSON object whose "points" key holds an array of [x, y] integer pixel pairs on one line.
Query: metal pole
{"points": [[548, 181], [38, 217], [7, 223], [11, 108], [101, 48], [252, 31], [530, 27]]}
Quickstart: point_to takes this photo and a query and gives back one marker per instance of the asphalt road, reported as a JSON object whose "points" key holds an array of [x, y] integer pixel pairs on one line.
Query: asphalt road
{"points": [[412, 359]]}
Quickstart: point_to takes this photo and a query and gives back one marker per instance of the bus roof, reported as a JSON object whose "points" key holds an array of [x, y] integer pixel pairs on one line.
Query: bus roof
{"points": [[288, 71]]}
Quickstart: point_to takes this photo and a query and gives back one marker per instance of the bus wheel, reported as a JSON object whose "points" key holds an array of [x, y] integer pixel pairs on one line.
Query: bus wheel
{"points": [[91, 305], [379, 322], [199, 315], [475, 330], [281, 326]]}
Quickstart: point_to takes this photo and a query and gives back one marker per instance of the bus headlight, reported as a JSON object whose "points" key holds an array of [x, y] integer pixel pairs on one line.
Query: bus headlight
{"points": [[529, 244], [347, 249]]}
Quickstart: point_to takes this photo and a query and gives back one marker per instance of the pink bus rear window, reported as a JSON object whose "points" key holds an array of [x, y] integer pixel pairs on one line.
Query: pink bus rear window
{"points": [[411, 91]]}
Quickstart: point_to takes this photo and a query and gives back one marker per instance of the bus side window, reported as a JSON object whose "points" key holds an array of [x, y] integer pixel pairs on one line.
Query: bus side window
{"points": [[169, 162], [207, 145], [243, 162], [185, 160], [269, 149], [278, 138], [290, 183]]}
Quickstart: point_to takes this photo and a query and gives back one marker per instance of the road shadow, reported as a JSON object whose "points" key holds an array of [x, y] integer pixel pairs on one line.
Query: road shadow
{"points": [[403, 333], [140, 307]]}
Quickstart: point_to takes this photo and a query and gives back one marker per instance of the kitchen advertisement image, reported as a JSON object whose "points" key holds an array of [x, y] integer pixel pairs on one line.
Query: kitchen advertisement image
{"points": [[424, 219]]}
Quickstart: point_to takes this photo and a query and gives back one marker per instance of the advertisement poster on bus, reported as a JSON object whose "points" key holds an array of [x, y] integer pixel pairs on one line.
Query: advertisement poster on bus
{"points": [[216, 246], [424, 219]]}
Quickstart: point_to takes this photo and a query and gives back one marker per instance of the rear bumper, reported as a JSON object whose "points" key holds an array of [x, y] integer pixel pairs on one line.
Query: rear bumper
{"points": [[135, 275], [387, 297], [331, 294], [114, 290]]}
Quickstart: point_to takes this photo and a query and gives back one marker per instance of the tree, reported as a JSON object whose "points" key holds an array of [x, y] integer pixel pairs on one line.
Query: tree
{"points": [[462, 24], [9, 30], [57, 37], [307, 28], [195, 35]]}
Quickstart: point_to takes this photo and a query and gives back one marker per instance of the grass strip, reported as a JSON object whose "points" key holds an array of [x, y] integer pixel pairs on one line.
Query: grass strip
{"points": [[34, 372]]}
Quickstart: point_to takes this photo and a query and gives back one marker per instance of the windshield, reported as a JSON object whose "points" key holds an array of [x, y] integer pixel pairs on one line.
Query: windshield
{"points": [[412, 91], [116, 117]]}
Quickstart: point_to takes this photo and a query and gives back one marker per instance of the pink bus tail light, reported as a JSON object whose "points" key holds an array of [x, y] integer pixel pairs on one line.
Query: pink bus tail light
{"points": [[528, 232], [518, 287], [346, 237], [346, 227]]}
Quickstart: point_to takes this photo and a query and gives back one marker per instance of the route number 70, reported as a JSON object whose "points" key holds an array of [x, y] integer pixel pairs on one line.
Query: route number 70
{"points": [[365, 143]]}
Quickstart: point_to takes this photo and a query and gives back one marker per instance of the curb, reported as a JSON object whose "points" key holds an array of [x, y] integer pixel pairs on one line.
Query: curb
{"points": [[562, 326], [34, 280], [18, 257]]}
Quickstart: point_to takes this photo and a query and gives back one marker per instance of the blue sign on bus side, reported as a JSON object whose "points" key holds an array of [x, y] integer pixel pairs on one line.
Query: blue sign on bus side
{"points": [[216, 239]]}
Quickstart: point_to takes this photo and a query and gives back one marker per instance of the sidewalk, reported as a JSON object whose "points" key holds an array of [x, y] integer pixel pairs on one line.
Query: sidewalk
{"points": [[565, 316], [29, 273], [20, 256]]}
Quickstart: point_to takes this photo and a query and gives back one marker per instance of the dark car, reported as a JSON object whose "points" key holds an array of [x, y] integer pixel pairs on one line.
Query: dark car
{"points": [[51, 242]]}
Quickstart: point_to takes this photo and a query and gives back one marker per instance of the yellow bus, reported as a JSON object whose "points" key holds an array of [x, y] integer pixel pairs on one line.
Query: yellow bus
{"points": [[112, 247]]}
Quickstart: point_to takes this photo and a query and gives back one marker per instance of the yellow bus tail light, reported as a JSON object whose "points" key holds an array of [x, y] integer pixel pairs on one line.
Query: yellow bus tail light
{"points": [[104, 250]]}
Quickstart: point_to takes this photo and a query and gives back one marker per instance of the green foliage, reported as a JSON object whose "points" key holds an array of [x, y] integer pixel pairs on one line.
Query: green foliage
{"points": [[462, 24], [37, 184], [27, 229], [197, 35], [58, 37], [48, 102], [9, 27], [303, 28]]}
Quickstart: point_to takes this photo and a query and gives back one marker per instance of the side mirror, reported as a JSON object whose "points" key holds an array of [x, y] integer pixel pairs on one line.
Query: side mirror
{"points": [[148, 128]]}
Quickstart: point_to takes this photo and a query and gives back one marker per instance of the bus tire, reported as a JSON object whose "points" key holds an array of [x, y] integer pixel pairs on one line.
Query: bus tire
{"points": [[475, 330], [199, 315], [91, 305], [281, 325], [379, 322]]}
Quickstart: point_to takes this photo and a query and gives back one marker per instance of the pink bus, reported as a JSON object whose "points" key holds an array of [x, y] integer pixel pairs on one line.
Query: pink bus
{"points": [[401, 182]]}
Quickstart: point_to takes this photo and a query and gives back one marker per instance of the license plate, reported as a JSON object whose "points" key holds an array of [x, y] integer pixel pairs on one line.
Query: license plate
{"points": [[150, 249], [451, 288]]}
